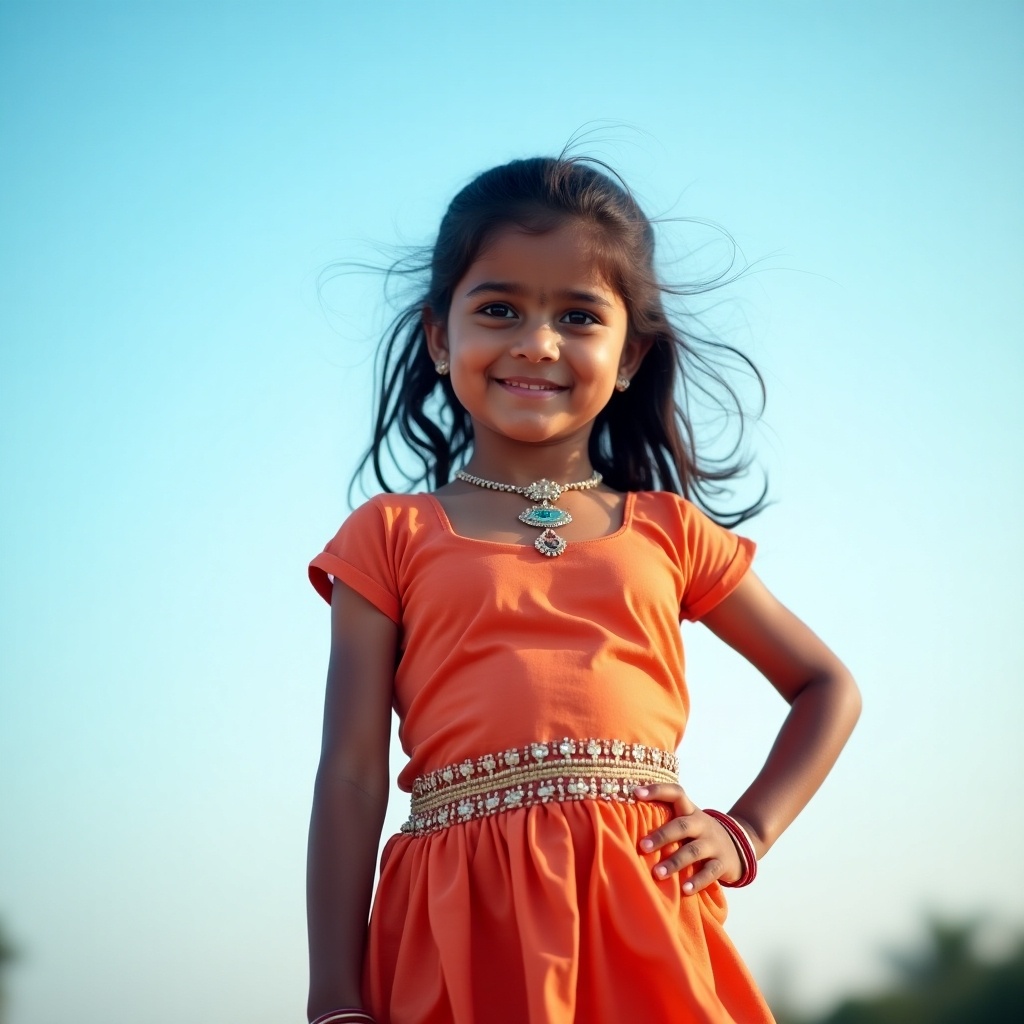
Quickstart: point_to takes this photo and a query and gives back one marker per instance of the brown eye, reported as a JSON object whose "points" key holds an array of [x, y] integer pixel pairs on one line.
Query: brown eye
{"points": [[579, 318], [499, 310]]}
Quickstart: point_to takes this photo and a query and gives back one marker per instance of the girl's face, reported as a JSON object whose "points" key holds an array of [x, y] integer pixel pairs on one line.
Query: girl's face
{"points": [[535, 338]]}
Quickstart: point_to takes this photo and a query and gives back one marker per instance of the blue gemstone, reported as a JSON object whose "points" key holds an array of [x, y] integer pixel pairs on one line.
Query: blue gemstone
{"points": [[545, 517]]}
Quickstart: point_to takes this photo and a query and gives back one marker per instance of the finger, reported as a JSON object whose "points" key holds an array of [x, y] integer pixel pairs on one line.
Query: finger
{"points": [[710, 872], [702, 849], [667, 793], [696, 851], [678, 830]]}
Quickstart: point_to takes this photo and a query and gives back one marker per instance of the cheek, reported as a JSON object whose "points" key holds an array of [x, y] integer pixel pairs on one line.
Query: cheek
{"points": [[469, 371], [604, 363], [469, 348]]}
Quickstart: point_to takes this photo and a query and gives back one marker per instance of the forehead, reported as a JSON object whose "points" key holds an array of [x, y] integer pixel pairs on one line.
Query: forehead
{"points": [[562, 258]]}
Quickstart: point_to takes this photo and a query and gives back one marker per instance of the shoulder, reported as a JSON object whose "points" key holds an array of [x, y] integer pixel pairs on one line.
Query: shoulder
{"points": [[665, 508], [711, 557], [389, 513], [658, 500], [387, 522], [686, 529], [673, 510], [371, 544]]}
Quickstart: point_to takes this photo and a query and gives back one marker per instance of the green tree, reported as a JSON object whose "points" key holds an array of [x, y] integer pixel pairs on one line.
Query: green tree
{"points": [[8, 954], [945, 982]]}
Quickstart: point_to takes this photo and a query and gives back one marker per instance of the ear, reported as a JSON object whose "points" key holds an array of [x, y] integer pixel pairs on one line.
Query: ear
{"points": [[633, 352], [437, 335]]}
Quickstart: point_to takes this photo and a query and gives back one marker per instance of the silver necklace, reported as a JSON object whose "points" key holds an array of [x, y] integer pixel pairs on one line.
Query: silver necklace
{"points": [[544, 515]]}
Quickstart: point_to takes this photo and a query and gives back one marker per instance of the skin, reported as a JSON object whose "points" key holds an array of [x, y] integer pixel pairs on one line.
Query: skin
{"points": [[824, 706], [349, 798], [534, 310], [535, 339]]}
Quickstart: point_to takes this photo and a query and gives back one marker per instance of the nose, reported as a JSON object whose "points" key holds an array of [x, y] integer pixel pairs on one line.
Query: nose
{"points": [[538, 343]]}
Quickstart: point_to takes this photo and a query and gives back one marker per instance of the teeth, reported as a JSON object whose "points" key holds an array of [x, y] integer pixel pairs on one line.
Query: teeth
{"points": [[532, 387]]}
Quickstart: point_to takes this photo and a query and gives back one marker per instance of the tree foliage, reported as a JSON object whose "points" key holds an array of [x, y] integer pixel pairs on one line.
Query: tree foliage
{"points": [[8, 954], [946, 982]]}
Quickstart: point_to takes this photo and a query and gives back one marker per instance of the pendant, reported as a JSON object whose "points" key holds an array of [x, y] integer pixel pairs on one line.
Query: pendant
{"points": [[545, 515], [542, 514], [550, 544], [543, 490]]}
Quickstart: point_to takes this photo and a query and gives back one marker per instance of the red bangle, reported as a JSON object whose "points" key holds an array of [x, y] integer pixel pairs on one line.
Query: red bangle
{"points": [[347, 1016], [744, 847]]}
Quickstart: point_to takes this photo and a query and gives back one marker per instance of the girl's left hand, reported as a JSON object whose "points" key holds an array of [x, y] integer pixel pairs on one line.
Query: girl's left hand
{"points": [[704, 840]]}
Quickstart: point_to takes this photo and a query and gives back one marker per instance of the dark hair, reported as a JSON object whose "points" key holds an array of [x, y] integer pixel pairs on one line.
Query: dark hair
{"points": [[644, 438]]}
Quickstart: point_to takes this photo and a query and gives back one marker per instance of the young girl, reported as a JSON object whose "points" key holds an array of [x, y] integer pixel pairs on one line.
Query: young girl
{"points": [[523, 620]]}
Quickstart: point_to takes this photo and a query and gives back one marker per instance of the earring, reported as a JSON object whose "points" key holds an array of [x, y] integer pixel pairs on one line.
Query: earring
{"points": [[621, 382], [442, 367]]}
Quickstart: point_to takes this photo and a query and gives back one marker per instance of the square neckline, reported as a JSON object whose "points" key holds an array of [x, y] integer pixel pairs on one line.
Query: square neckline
{"points": [[628, 505]]}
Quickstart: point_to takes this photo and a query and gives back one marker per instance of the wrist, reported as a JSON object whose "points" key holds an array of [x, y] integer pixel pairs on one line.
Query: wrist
{"points": [[344, 1015], [755, 835], [744, 848], [333, 995], [321, 1009]]}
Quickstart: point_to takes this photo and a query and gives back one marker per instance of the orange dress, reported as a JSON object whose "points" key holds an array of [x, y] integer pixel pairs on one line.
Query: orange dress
{"points": [[559, 681]]}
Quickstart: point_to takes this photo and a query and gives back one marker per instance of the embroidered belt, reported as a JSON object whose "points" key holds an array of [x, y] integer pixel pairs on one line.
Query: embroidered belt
{"points": [[538, 773]]}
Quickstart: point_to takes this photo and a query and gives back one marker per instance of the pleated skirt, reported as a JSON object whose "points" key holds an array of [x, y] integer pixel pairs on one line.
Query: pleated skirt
{"points": [[549, 915]]}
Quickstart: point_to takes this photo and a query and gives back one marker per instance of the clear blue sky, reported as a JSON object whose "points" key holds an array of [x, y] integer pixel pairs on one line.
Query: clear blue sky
{"points": [[179, 420]]}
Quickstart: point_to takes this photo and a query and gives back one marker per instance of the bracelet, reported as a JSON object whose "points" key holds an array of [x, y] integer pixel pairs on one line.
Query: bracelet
{"points": [[745, 848], [346, 1016]]}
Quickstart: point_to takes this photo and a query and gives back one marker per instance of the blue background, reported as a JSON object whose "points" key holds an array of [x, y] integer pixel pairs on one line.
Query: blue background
{"points": [[181, 409]]}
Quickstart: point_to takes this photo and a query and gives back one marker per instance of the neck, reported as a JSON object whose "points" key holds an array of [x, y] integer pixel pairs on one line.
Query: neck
{"points": [[523, 464]]}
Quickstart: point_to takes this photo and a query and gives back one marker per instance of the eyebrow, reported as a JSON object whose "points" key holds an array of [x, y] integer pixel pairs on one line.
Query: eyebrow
{"points": [[510, 288]]}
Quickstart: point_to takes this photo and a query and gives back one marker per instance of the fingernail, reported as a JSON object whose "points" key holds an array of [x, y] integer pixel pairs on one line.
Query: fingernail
{"points": [[640, 791], [687, 886], [661, 871], [646, 844]]}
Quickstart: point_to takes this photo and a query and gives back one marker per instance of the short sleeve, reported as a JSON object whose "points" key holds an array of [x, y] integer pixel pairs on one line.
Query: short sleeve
{"points": [[359, 555], [716, 560]]}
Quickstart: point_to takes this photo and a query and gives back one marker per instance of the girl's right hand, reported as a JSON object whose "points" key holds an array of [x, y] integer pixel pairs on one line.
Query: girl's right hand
{"points": [[705, 842]]}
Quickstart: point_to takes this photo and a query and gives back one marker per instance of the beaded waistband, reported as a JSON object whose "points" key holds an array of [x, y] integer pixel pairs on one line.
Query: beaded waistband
{"points": [[537, 773]]}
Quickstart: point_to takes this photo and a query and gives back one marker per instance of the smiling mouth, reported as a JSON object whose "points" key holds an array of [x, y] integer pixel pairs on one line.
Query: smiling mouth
{"points": [[529, 385]]}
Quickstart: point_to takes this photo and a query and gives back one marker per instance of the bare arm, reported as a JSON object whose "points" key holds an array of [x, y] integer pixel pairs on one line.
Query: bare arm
{"points": [[824, 707], [349, 799]]}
